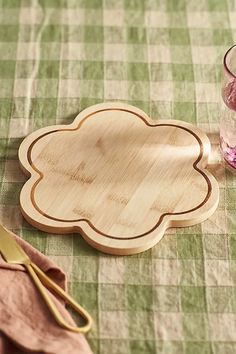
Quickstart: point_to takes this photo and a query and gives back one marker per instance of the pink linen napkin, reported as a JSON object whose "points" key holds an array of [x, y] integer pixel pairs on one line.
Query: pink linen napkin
{"points": [[26, 325]]}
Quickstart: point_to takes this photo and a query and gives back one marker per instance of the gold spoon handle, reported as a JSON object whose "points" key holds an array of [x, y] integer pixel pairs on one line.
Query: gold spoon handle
{"points": [[39, 276]]}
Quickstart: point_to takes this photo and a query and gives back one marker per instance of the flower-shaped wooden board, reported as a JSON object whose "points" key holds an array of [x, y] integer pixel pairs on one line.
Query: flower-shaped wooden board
{"points": [[117, 177]]}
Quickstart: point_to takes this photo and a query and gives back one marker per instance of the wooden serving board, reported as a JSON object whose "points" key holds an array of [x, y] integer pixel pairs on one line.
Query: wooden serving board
{"points": [[117, 177]]}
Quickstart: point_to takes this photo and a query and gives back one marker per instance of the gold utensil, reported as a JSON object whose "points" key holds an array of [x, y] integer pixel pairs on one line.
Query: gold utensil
{"points": [[14, 254]]}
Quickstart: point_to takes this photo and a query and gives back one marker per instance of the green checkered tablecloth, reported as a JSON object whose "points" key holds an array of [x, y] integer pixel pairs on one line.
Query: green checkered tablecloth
{"points": [[165, 57]]}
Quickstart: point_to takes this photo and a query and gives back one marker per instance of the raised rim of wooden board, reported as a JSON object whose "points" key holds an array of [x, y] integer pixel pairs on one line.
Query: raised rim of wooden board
{"points": [[109, 243]]}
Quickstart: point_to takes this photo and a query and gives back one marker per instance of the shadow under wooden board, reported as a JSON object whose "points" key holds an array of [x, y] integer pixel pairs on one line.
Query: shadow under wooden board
{"points": [[117, 178]]}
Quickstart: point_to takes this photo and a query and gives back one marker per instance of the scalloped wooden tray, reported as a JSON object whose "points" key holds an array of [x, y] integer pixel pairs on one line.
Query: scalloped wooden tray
{"points": [[117, 177]]}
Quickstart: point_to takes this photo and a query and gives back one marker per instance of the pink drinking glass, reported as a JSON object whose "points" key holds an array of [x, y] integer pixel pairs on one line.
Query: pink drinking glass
{"points": [[228, 119]]}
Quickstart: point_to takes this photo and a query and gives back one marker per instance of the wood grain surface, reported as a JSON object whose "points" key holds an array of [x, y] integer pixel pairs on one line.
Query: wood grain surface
{"points": [[117, 177]]}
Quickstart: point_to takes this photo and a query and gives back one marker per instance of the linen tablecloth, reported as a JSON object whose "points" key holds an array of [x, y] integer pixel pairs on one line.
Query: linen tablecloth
{"points": [[165, 57]]}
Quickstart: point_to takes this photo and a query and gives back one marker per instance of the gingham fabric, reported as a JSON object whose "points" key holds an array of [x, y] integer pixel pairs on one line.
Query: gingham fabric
{"points": [[165, 57]]}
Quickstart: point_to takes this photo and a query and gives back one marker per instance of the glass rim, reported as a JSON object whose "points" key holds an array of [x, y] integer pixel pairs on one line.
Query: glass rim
{"points": [[225, 65]]}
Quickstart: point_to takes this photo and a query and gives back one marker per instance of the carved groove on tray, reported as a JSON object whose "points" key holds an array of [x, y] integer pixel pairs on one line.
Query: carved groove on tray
{"points": [[209, 187]]}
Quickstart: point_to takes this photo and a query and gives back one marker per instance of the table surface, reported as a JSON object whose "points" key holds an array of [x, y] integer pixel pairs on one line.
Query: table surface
{"points": [[165, 57]]}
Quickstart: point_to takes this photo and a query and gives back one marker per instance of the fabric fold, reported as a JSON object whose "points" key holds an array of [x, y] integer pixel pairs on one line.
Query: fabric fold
{"points": [[26, 324]]}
